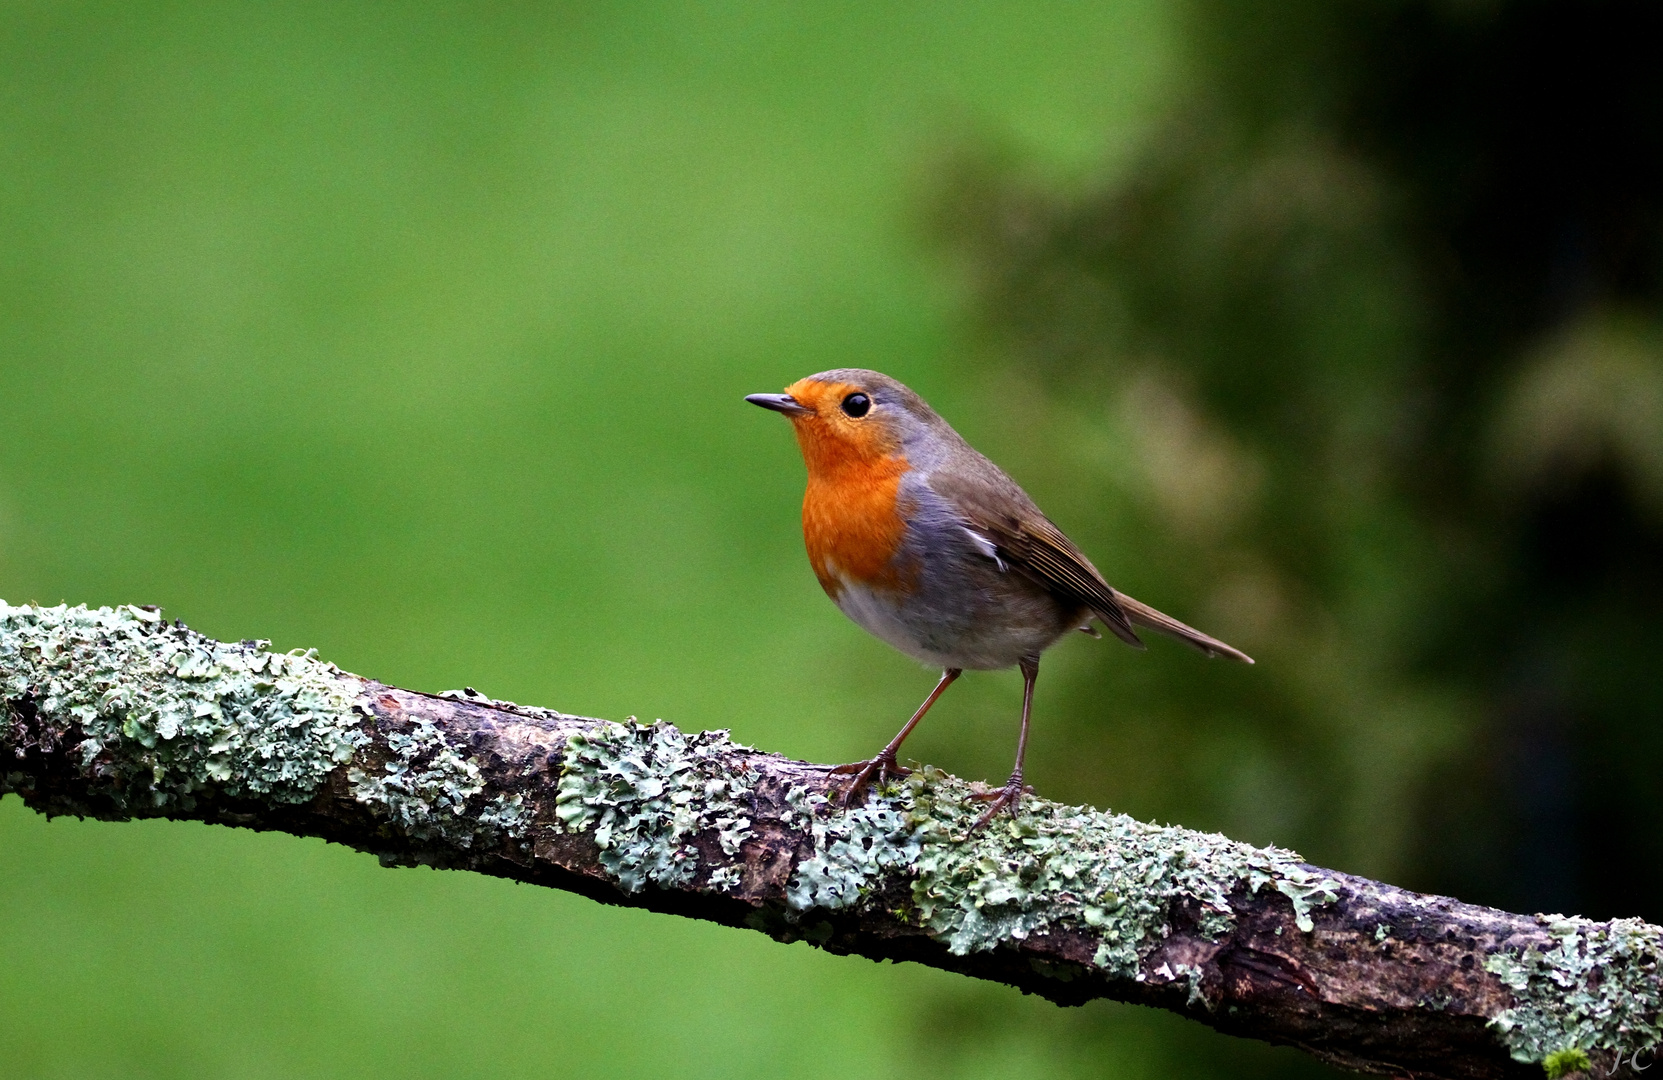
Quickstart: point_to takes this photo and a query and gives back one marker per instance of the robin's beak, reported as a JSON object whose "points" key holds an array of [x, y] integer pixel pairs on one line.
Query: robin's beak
{"points": [[783, 403]]}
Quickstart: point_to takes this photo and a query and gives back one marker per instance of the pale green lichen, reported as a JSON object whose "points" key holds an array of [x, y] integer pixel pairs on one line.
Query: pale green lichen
{"points": [[1306, 890], [646, 791], [428, 787], [167, 713], [1595, 990], [1051, 866], [853, 849]]}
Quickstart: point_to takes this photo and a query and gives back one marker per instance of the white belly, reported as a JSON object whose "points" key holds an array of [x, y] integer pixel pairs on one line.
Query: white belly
{"points": [[980, 644], [878, 613]]}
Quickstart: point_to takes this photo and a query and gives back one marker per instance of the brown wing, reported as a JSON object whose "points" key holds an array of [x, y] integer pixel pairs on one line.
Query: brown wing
{"points": [[1039, 550], [1000, 512]]}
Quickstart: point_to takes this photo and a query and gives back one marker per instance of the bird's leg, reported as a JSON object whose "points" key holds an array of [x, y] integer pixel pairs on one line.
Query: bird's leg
{"points": [[1007, 797], [884, 765]]}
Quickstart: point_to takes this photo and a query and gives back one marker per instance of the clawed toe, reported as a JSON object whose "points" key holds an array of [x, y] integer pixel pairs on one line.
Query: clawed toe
{"points": [[1008, 797], [854, 767], [999, 793], [878, 770]]}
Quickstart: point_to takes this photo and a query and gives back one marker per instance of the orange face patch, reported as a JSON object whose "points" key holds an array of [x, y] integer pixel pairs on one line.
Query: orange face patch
{"points": [[852, 524], [832, 440]]}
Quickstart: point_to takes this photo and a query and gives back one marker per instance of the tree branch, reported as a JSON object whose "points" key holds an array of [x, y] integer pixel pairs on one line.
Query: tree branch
{"points": [[116, 714]]}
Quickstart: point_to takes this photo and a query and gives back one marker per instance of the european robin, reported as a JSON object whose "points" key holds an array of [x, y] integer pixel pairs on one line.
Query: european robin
{"points": [[929, 546]]}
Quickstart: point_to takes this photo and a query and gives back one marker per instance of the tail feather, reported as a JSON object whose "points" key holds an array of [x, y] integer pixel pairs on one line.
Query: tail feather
{"points": [[1142, 614]]}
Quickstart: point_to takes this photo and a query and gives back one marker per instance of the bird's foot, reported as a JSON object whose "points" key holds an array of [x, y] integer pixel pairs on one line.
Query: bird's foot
{"points": [[878, 770], [1006, 798]]}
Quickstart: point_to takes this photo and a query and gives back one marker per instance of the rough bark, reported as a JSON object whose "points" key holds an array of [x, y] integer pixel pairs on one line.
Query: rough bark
{"points": [[116, 714]]}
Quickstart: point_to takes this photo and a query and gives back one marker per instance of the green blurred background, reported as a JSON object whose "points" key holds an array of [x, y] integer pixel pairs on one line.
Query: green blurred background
{"points": [[418, 334]]}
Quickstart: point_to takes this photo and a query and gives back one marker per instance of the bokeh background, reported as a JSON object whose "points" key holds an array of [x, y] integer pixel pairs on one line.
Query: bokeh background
{"points": [[417, 333]]}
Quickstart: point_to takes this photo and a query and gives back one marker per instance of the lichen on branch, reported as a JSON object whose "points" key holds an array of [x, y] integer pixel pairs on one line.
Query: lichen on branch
{"points": [[116, 713], [1597, 988], [162, 712]]}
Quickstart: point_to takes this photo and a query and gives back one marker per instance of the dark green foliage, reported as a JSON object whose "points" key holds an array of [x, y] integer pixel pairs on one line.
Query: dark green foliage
{"points": [[1380, 309]]}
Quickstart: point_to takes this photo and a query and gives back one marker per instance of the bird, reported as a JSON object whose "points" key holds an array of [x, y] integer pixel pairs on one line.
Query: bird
{"points": [[932, 548]]}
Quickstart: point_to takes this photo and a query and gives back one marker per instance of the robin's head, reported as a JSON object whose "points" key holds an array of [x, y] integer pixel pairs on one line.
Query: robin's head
{"points": [[852, 416]]}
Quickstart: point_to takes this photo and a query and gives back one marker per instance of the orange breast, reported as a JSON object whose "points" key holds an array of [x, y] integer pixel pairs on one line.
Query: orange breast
{"points": [[852, 525], [852, 522]]}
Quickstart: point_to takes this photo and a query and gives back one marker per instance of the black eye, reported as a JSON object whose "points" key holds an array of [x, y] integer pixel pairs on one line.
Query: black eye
{"points": [[857, 405]]}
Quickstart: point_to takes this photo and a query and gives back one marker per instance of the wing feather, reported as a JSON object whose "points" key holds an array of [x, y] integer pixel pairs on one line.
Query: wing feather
{"points": [[999, 514]]}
